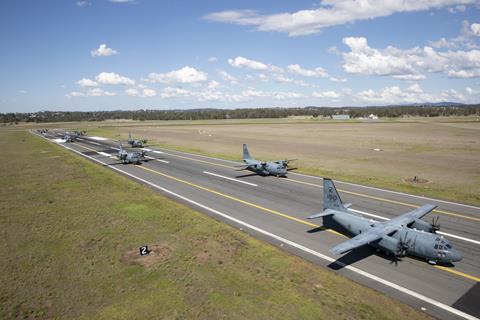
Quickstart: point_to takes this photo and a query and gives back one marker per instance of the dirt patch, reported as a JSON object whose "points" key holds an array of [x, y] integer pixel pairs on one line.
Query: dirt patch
{"points": [[158, 252], [416, 180]]}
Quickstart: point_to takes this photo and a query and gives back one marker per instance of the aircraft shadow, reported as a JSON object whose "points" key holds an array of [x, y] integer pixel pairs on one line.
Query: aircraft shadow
{"points": [[351, 257], [247, 175]]}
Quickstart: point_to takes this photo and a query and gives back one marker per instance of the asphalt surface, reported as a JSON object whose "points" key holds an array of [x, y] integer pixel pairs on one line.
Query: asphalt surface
{"points": [[275, 210]]}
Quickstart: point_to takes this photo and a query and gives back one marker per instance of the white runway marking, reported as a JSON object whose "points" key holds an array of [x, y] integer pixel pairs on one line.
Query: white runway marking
{"points": [[231, 179], [293, 244], [439, 232], [59, 140], [104, 154], [98, 138], [156, 151], [159, 160], [96, 143], [146, 149]]}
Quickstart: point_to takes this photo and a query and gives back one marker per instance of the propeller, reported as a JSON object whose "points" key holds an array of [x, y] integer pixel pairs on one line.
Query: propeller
{"points": [[435, 224], [403, 245], [287, 161]]}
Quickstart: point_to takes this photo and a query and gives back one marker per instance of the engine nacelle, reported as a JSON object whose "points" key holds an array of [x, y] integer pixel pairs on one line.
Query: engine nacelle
{"points": [[389, 244], [421, 225]]}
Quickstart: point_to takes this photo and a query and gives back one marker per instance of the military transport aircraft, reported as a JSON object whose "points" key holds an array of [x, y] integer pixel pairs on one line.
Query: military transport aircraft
{"points": [[277, 168], [68, 137], [134, 157], [405, 234], [135, 143]]}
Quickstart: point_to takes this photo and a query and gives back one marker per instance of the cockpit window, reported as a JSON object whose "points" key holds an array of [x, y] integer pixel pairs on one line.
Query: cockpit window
{"points": [[437, 239], [440, 247], [436, 246], [449, 246]]}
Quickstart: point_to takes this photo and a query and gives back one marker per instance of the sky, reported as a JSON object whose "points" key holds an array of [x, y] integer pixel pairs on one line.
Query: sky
{"points": [[86, 55]]}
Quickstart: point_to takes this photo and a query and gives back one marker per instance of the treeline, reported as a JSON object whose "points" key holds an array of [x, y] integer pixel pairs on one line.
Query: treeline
{"points": [[250, 113]]}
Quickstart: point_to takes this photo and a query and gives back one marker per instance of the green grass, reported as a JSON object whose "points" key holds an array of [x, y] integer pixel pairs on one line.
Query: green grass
{"points": [[66, 224]]}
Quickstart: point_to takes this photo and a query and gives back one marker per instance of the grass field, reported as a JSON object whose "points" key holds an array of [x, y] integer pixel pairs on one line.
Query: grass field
{"points": [[443, 152], [70, 230]]}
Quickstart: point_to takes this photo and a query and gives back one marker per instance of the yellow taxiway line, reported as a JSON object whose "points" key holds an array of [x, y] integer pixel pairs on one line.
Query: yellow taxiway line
{"points": [[456, 272]]}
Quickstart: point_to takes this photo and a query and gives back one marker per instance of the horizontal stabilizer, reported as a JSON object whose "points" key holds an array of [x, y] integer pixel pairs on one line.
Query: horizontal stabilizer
{"points": [[325, 213]]}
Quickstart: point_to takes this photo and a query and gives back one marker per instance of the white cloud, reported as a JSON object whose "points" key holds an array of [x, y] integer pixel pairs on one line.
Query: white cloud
{"points": [[464, 73], [92, 92], [98, 92], [212, 59], [240, 62], [415, 88], [326, 94], [82, 3], [22, 91], [113, 79], [443, 43], [410, 77], [395, 95], [459, 8], [338, 80], [75, 94], [170, 92], [184, 75], [227, 77], [475, 28], [213, 85], [84, 82], [122, 1], [139, 92], [329, 13], [408, 64], [103, 51], [282, 79], [317, 72]]}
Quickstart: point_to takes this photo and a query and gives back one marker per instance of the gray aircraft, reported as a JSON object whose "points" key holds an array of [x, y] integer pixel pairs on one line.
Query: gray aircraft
{"points": [[277, 168], [134, 157], [402, 235], [68, 137], [135, 143]]}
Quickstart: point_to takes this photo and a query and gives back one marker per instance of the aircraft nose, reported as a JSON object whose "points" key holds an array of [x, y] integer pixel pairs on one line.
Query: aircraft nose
{"points": [[455, 255]]}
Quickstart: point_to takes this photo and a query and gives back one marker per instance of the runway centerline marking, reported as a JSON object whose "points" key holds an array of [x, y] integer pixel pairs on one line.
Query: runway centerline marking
{"points": [[291, 243], [231, 179]]}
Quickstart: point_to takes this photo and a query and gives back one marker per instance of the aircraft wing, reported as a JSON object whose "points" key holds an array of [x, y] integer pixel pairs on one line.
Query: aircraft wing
{"points": [[412, 215], [357, 241], [364, 238]]}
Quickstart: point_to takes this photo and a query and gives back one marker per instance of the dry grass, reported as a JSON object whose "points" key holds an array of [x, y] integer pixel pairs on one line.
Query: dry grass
{"points": [[443, 152]]}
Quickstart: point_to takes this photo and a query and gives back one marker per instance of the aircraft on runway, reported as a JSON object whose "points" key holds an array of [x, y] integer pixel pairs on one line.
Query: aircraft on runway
{"points": [[402, 235], [135, 143], [80, 133], [134, 157], [277, 168], [68, 137]]}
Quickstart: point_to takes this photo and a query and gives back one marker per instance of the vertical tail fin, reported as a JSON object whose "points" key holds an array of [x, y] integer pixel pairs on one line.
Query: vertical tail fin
{"points": [[331, 198], [246, 154]]}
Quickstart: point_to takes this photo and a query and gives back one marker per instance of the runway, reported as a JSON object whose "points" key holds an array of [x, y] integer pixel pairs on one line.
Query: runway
{"points": [[275, 210]]}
